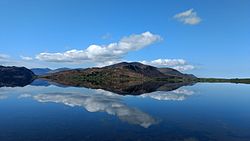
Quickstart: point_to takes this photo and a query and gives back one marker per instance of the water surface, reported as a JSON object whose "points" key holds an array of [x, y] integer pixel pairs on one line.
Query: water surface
{"points": [[201, 112]]}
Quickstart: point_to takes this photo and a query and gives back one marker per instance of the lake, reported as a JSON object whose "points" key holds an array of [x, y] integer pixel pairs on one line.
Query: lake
{"points": [[51, 112]]}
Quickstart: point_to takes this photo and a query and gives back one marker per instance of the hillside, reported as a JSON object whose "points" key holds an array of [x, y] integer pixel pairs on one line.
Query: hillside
{"points": [[119, 72]]}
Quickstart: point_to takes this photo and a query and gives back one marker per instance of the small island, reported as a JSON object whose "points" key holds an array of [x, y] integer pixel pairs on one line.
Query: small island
{"points": [[124, 71], [119, 76]]}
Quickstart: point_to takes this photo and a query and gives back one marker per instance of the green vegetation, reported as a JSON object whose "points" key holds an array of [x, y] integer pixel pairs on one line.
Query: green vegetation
{"points": [[222, 80], [134, 71], [175, 79]]}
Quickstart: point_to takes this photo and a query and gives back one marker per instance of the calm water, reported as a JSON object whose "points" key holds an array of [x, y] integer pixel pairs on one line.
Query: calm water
{"points": [[201, 112]]}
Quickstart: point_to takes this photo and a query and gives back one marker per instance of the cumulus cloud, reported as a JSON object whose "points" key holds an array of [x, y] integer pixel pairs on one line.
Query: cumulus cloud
{"points": [[188, 17], [28, 62], [103, 53], [178, 64], [4, 56], [184, 67], [100, 103], [165, 62], [26, 58], [4, 59]]}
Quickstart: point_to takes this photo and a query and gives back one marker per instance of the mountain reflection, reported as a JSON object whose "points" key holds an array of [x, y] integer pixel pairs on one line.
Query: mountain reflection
{"points": [[120, 87], [100, 103], [99, 100], [104, 97], [18, 82]]}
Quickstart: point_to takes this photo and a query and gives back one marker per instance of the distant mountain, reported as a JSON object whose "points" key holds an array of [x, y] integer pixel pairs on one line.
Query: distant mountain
{"points": [[58, 70], [15, 76], [40, 71], [44, 71]]}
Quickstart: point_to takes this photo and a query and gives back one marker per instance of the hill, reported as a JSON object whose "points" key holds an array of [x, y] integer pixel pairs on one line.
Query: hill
{"points": [[15, 76], [119, 72]]}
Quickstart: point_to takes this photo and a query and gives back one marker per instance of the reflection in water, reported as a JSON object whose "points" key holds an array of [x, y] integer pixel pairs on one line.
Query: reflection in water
{"points": [[100, 103], [207, 117], [176, 95], [119, 87], [128, 87], [4, 93], [100, 100], [3, 96]]}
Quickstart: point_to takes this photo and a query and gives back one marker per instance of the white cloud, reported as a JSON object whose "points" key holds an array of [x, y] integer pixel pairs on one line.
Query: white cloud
{"points": [[188, 17], [184, 67], [4, 59], [26, 58], [103, 53], [4, 56], [100, 55], [178, 64], [165, 62]]}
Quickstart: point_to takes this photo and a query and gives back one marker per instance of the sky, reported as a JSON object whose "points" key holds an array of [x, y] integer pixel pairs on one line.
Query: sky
{"points": [[209, 38]]}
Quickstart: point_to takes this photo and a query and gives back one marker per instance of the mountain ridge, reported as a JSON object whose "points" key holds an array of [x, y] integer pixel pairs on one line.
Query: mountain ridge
{"points": [[120, 71], [44, 71]]}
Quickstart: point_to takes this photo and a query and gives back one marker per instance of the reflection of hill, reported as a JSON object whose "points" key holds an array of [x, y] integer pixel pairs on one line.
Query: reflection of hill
{"points": [[123, 78], [40, 82], [128, 87]]}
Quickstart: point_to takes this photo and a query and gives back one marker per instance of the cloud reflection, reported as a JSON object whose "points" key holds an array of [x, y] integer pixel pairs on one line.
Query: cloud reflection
{"points": [[3, 93], [176, 95], [2, 96], [100, 103]]}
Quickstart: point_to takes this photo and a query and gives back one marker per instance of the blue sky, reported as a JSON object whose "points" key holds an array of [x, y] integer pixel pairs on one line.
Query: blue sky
{"points": [[209, 38]]}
